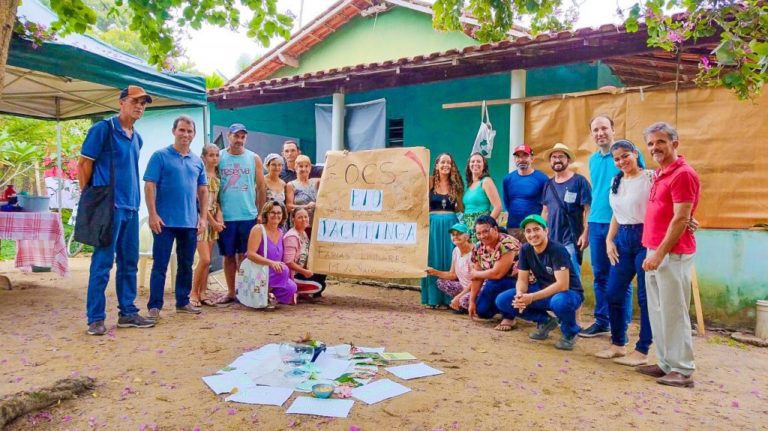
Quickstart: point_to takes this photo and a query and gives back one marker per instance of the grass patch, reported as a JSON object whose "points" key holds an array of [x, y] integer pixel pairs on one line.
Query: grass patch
{"points": [[726, 341]]}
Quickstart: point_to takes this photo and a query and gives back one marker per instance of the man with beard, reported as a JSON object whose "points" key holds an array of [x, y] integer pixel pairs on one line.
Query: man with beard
{"points": [[566, 199], [522, 191], [174, 183], [671, 246]]}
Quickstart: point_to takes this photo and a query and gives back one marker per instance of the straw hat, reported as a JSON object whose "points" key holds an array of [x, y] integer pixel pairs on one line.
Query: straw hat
{"points": [[563, 148]]}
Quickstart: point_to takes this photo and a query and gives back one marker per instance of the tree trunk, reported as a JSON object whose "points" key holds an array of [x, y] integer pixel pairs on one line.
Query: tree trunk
{"points": [[22, 403], [7, 19]]}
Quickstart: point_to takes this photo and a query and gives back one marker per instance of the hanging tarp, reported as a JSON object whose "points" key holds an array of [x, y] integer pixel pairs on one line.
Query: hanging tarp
{"points": [[365, 126]]}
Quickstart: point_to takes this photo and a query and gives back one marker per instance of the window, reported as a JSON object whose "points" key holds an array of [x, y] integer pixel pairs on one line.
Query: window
{"points": [[395, 132]]}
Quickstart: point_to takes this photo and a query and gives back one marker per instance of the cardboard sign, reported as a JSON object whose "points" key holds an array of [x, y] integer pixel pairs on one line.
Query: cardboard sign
{"points": [[372, 214]]}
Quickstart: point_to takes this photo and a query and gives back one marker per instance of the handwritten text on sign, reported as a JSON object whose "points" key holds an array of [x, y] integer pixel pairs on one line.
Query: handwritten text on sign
{"points": [[366, 232], [366, 200]]}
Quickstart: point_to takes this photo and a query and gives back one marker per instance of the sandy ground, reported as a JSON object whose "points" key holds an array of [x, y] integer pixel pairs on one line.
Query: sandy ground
{"points": [[150, 378]]}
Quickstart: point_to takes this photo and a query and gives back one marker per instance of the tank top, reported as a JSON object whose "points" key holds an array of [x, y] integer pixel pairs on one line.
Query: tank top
{"points": [[476, 200], [441, 202], [304, 194], [238, 186]]}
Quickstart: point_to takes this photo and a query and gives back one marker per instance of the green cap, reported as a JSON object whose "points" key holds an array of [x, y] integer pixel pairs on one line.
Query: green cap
{"points": [[533, 218], [459, 227]]}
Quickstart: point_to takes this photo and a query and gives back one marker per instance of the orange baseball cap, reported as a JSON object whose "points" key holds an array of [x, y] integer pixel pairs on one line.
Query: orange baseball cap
{"points": [[135, 92]]}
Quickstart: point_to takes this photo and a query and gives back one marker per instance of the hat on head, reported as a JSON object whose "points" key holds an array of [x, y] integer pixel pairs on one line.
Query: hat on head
{"points": [[237, 127], [135, 92], [535, 218], [270, 157], [563, 148], [523, 149], [460, 228]]}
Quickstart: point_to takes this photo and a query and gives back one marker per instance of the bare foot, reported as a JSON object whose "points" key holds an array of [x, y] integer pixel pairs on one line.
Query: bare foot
{"points": [[634, 359], [613, 351]]}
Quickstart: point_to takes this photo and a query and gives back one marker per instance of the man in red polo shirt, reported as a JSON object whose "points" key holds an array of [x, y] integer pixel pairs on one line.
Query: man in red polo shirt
{"points": [[671, 245]]}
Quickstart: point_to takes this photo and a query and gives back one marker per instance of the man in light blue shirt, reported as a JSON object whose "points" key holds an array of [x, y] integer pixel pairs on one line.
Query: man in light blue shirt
{"points": [[602, 169], [174, 184]]}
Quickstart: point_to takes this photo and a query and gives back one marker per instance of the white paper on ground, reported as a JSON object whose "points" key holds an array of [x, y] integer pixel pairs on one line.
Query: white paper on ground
{"points": [[413, 371], [261, 395], [379, 390], [332, 349], [223, 383], [330, 367], [314, 406]]}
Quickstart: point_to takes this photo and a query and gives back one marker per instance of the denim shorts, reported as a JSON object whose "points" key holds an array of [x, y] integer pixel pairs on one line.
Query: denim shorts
{"points": [[234, 238]]}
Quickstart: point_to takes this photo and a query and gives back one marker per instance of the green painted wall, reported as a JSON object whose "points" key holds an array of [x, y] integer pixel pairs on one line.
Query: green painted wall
{"points": [[395, 34]]}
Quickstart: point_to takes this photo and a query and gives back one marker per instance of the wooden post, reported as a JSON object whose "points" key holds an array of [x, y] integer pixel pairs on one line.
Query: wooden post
{"points": [[700, 330]]}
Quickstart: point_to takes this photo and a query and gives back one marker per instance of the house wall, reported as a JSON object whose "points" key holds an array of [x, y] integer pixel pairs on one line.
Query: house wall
{"points": [[395, 34]]}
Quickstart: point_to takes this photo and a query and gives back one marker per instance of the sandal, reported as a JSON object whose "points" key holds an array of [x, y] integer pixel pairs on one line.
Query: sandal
{"points": [[208, 302], [505, 327], [195, 302], [226, 301]]}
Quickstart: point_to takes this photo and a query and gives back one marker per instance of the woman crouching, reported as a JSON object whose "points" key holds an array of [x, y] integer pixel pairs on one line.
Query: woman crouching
{"points": [[280, 283]]}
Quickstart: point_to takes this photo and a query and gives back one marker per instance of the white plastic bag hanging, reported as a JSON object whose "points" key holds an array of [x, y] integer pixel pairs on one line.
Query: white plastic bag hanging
{"points": [[485, 135]]}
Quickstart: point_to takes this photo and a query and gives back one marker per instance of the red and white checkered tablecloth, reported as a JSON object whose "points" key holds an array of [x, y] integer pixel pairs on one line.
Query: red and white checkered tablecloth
{"points": [[39, 240]]}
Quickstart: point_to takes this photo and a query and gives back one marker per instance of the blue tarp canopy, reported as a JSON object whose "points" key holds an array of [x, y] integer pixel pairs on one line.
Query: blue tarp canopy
{"points": [[79, 76]]}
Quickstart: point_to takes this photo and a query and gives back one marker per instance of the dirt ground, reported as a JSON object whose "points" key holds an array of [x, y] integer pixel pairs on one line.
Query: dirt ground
{"points": [[150, 379]]}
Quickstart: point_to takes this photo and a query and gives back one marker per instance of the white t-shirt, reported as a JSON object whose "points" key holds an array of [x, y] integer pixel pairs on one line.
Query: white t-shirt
{"points": [[462, 265], [631, 199]]}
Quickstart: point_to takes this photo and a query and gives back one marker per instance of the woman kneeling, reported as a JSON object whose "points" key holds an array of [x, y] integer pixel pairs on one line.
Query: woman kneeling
{"points": [[280, 283]]}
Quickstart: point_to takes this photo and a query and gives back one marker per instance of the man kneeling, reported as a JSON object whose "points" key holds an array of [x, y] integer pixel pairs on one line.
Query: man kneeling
{"points": [[557, 288]]}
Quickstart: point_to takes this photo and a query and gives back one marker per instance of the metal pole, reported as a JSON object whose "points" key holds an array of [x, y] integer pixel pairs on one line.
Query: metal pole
{"points": [[206, 138], [516, 114], [337, 122], [58, 153]]}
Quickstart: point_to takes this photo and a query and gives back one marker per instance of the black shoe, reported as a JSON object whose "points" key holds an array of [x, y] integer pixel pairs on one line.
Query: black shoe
{"points": [[97, 328], [134, 321], [594, 331], [543, 329], [566, 343]]}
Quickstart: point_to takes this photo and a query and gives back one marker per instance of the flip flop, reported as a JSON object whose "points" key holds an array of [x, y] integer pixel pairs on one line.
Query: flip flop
{"points": [[504, 327], [195, 302], [226, 301], [208, 302]]}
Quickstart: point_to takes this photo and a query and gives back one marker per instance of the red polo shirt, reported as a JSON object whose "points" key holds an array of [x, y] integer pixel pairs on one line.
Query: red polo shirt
{"points": [[677, 183]]}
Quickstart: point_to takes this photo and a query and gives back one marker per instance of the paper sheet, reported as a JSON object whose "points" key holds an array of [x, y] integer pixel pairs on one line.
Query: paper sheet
{"points": [[223, 383], [330, 367], [403, 356], [413, 371], [261, 395], [314, 406], [379, 390]]}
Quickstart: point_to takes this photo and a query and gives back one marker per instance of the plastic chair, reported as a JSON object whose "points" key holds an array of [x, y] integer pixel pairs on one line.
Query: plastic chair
{"points": [[145, 251]]}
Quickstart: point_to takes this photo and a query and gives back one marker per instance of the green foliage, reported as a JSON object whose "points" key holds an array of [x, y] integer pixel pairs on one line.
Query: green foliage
{"points": [[214, 80], [124, 40], [740, 62], [158, 23]]}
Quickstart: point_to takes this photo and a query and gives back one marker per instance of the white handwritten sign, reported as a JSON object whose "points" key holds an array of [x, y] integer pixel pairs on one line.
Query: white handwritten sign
{"points": [[366, 200]]}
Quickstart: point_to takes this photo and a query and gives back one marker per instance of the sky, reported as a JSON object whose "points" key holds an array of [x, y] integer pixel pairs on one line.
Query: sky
{"points": [[215, 49]]}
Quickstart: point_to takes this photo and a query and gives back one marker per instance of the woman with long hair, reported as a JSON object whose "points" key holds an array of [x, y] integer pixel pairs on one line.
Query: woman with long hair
{"points": [[296, 256], [481, 197], [207, 239], [280, 283], [628, 198], [446, 191]]}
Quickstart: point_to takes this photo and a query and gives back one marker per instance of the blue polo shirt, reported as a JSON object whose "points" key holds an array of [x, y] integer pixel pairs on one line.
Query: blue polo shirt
{"points": [[176, 179], [602, 169], [126, 154]]}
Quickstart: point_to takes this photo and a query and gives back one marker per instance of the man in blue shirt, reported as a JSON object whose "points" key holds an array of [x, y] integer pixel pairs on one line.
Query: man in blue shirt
{"points": [[557, 287], [115, 142], [522, 190], [566, 202], [602, 169], [174, 184]]}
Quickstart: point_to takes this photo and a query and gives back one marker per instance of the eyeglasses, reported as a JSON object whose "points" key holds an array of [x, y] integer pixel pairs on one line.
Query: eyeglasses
{"points": [[278, 213]]}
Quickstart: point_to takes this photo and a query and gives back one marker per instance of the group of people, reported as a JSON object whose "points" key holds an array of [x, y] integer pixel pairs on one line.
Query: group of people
{"points": [[637, 223], [196, 202]]}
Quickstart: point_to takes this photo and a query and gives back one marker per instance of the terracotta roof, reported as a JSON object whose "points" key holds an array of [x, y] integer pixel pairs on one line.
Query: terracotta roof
{"points": [[626, 53], [315, 31]]}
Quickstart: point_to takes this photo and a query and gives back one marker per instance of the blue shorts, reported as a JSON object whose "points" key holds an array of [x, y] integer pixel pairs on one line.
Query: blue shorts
{"points": [[234, 238]]}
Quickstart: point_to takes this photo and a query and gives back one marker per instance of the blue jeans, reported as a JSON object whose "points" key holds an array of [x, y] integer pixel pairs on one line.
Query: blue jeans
{"points": [[574, 258], [631, 255], [125, 245], [601, 267], [186, 243], [485, 303], [563, 304]]}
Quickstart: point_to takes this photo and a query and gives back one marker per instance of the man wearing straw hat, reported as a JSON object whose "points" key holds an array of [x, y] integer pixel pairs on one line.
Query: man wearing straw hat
{"points": [[566, 199]]}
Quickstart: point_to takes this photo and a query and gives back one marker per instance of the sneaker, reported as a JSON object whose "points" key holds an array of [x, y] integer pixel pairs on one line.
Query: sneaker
{"points": [[97, 328], [543, 329], [134, 321], [566, 343], [594, 331], [189, 309], [154, 314]]}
